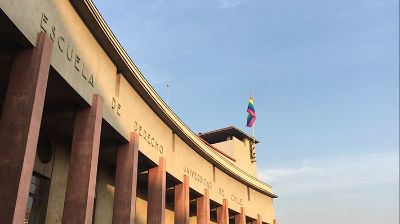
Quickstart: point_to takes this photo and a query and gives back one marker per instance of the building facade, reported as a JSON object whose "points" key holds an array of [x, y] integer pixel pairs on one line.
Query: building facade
{"points": [[84, 138]]}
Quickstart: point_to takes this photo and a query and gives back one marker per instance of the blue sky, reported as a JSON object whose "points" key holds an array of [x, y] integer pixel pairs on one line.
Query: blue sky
{"points": [[325, 82]]}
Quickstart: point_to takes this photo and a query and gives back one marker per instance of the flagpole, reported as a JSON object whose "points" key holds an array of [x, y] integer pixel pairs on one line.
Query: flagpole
{"points": [[253, 153], [250, 123], [254, 135]]}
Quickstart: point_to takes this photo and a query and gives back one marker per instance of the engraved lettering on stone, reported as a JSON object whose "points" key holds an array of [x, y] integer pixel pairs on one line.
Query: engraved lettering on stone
{"points": [[221, 191], [115, 105], [53, 32], [69, 55], [58, 42], [146, 135], [197, 177], [43, 21], [77, 61], [67, 49]]}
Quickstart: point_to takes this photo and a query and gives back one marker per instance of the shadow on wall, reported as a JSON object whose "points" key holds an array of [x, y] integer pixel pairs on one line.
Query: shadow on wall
{"points": [[139, 220]]}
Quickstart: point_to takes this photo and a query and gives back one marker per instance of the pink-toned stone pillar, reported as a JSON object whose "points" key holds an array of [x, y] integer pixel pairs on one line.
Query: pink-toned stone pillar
{"points": [[223, 213], [125, 182], [81, 183], [203, 208], [20, 125], [258, 221], [156, 193], [182, 202], [241, 217]]}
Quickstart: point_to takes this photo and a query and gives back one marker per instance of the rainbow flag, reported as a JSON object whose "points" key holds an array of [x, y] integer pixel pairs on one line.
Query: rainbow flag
{"points": [[251, 116]]}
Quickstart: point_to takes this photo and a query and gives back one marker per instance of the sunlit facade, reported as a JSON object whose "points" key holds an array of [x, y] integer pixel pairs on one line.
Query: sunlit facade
{"points": [[84, 138]]}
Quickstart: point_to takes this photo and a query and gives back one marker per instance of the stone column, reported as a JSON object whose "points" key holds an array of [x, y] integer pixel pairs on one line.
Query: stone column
{"points": [[81, 183], [240, 218], [223, 213], [125, 182], [20, 125], [203, 208], [258, 221], [156, 194], [182, 202]]}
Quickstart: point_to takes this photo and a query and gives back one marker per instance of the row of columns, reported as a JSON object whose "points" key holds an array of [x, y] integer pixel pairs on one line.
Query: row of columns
{"points": [[19, 132]]}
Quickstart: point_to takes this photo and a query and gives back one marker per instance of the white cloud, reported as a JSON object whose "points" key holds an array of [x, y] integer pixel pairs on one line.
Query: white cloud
{"points": [[276, 174], [328, 174], [340, 189]]}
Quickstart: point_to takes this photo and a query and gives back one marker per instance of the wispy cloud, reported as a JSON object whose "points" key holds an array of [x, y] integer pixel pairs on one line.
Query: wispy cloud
{"points": [[156, 5], [161, 80], [232, 3], [281, 173], [157, 76], [334, 173]]}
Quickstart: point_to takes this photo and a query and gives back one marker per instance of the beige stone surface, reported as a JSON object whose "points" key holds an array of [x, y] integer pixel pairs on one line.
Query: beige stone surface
{"points": [[240, 151], [184, 162], [141, 211], [104, 194], [58, 184]]}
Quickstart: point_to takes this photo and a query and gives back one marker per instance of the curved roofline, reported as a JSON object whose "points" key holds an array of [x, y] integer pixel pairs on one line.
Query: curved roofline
{"points": [[103, 34]]}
